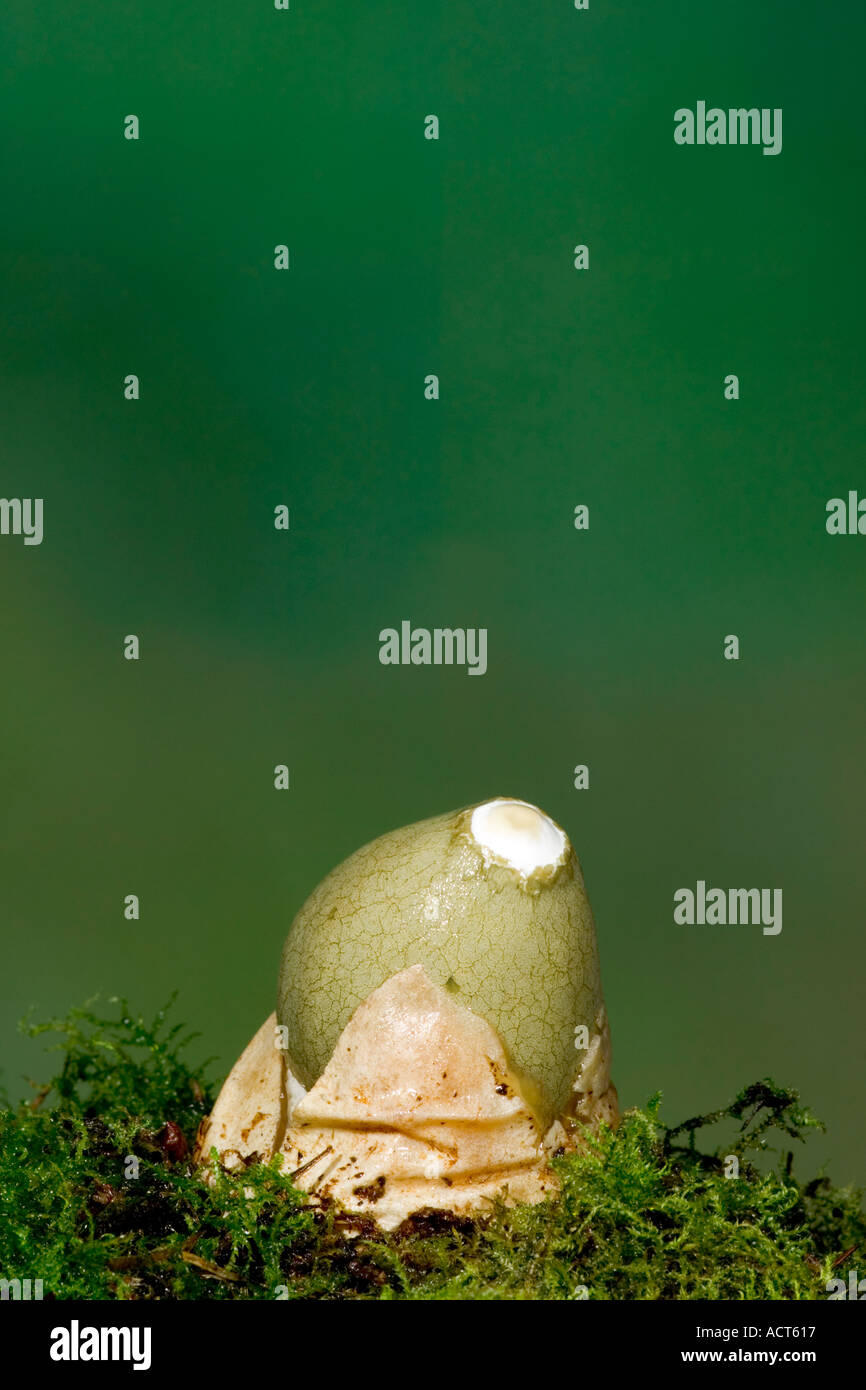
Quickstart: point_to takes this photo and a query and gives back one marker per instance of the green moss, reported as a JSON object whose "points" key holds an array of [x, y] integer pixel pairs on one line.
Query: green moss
{"points": [[98, 1200]]}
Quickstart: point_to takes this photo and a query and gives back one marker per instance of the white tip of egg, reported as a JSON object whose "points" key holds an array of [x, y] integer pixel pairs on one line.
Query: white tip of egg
{"points": [[516, 833]]}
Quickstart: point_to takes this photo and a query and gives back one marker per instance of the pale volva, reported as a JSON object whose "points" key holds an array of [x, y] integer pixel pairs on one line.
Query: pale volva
{"points": [[440, 1027]]}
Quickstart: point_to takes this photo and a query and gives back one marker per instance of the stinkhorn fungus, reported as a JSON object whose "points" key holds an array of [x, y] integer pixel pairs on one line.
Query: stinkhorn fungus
{"points": [[440, 1030]]}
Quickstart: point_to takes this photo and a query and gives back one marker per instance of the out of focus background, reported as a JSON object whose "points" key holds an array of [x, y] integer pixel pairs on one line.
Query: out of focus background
{"points": [[558, 387]]}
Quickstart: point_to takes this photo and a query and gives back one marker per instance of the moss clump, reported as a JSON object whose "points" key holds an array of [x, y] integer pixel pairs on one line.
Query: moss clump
{"points": [[98, 1200]]}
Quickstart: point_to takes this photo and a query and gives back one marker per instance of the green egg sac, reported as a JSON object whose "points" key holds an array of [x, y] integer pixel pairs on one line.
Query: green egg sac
{"points": [[518, 948]]}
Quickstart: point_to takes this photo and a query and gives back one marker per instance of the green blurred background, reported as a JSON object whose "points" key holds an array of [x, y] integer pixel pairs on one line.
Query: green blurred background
{"points": [[306, 387]]}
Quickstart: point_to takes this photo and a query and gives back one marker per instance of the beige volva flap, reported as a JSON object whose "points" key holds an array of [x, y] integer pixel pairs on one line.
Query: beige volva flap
{"points": [[410, 1056], [250, 1112], [417, 1107]]}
